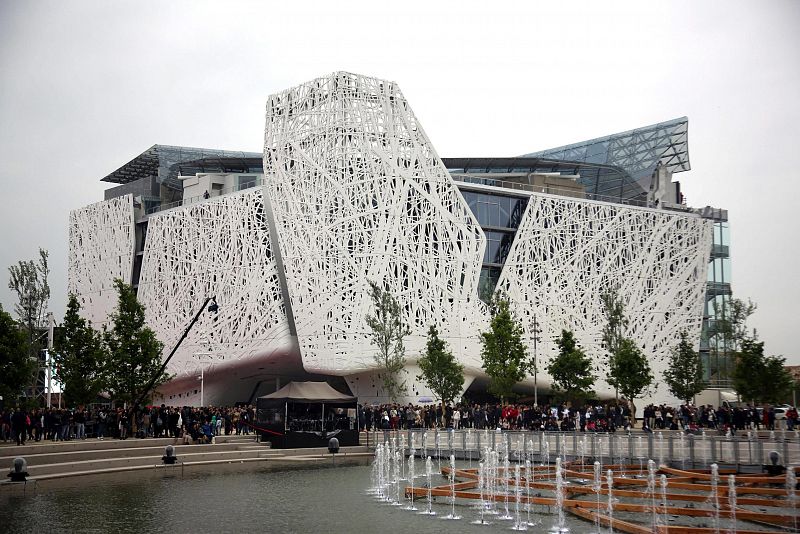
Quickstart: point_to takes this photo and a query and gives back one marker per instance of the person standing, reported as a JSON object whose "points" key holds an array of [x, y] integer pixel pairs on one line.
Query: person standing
{"points": [[19, 427], [80, 424]]}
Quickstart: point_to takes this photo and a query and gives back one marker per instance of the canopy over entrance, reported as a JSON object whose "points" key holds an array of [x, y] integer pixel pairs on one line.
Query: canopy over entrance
{"points": [[307, 414], [308, 392]]}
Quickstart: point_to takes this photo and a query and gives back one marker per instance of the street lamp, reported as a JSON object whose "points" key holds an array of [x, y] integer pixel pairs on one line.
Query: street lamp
{"points": [[201, 378]]}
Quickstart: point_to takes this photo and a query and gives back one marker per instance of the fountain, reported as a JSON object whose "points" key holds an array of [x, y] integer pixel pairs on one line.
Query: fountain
{"points": [[561, 525], [506, 477], [411, 458], [529, 474], [482, 489], [610, 505], [403, 474], [651, 490], [398, 461], [424, 444], [438, 444], [468, 446], [704, 447], [640, 453], [518, 524], [582, 449], [660, 448], [732, 502], [791, 486], [663, 499], [599, 454], [597, 486], [545, 454], [714, 496], [452, 514], [428, 470]]}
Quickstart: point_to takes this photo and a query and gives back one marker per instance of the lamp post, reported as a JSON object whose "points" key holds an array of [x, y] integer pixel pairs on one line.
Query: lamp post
{"points": [[49, 358], [200, 355]]}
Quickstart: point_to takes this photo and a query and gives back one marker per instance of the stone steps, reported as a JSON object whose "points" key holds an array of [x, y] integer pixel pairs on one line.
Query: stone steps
{"points": [[47, 447], [127, 452], [150, 460], [75, 458]]}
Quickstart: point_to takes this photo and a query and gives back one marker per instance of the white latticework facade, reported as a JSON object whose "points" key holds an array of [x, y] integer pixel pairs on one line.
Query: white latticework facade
{"points": [[567, 252], [101, 249], [220, 247], [359, 194]]}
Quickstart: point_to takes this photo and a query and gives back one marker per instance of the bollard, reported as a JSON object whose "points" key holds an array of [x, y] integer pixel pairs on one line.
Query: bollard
{"points": [[333, 448], [19, 470], [169, 457]]}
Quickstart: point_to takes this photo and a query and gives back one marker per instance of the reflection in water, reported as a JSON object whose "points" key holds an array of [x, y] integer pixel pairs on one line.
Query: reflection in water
{"points": [[312, 500]]}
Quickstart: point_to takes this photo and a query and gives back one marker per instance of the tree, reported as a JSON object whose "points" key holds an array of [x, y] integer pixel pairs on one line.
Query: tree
{"points": [[505, 356], [440, 370], [616, 323], [758, 378], [727, 330], [630, 373], [571, 370], [730, 323], [16, 367], [388, 331], [684, 376], [28, 279], [134, 352], [80, 357]]}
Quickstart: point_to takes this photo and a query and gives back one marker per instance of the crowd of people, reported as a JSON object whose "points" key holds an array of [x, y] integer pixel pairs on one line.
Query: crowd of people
{"points": [[192, 424], [607, 417], [200, 425], [549, 417]]}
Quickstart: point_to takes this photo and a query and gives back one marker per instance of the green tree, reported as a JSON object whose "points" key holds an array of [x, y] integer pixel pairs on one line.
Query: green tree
{"points": [[571, 370], [387, 333], [79, 357], [134, 352], [28, 279], [630, 373], [684, 376], [727, 330], [16, 367], [505, 356], [616, 324], [758, 378], [441, 372]]}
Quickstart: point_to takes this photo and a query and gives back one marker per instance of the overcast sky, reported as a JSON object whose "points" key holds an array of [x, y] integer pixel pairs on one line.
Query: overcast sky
{"points": [[86, 86]]}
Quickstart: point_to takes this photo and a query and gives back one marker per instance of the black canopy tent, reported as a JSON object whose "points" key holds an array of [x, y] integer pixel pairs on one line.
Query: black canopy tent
{"points": [[307, 414]]}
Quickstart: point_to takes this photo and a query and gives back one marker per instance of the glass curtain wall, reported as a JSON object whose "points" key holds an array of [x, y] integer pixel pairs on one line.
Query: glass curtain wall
{"points": [[499, 216], [715, 347]]}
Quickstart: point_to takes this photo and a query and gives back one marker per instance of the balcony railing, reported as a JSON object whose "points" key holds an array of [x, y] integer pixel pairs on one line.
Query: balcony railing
{"points": [[202, 198]]}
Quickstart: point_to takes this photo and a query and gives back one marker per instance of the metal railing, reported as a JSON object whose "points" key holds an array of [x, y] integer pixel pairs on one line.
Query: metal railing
{"points": [[564, 192], [202, 198], [685, 451]]}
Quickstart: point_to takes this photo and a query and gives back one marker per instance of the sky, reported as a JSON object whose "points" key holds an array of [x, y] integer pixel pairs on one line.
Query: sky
{"points": [[87, 85]]}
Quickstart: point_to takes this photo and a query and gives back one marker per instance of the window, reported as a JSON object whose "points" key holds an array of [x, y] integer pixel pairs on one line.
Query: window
{"points": [[246, 181]]}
